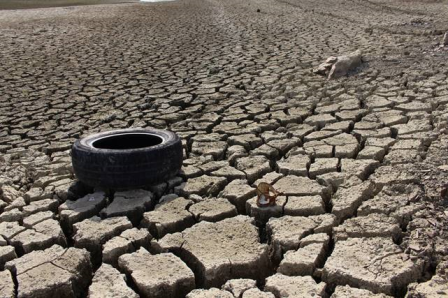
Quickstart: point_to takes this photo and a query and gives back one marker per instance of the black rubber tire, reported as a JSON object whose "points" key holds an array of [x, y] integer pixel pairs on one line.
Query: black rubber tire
{"points": [[127, 168]]}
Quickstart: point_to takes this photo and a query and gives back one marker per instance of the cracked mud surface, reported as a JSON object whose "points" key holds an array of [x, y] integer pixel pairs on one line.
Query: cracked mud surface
{"points": [[361, 160]]}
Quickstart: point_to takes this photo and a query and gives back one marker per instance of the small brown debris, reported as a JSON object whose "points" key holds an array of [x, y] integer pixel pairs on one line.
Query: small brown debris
{"points": [[266, 195]]}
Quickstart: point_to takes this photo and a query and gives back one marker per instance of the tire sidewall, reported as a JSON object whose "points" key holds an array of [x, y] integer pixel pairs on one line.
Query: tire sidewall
{"points": [[127, 168]]}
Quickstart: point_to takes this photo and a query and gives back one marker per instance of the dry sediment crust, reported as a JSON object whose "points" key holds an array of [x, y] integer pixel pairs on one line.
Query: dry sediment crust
{"points": [[221, 251], [349, 292], [93, 232], [54, 272], [238, 286], [108, 282], [286, 232], [361, 159], [213, 292], [6, 284], [294, 286], [161, 275], [375, 264]]}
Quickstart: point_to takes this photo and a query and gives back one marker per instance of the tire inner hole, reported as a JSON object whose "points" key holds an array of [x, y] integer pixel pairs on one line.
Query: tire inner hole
{"points": [[127, 141]]}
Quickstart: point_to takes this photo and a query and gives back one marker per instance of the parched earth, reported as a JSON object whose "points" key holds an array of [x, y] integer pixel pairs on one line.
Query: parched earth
{"points": [[362, 160]]}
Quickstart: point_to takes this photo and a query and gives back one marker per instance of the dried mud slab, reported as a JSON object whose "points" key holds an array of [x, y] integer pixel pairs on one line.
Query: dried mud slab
{"points": [[109, 282], [286, 232], [376, 264], [238, 192], [202, 186], [92, 233], [372, 225], [306, 259], [161, 275], [127, 242], [238, 286], [221, 251], [131, 203], [349, 292], [434, 287], [213, 292], [72, 212], [53, 272], [6, 284], [299, 186], [213, 210], [294, 286], [170, 216]]}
